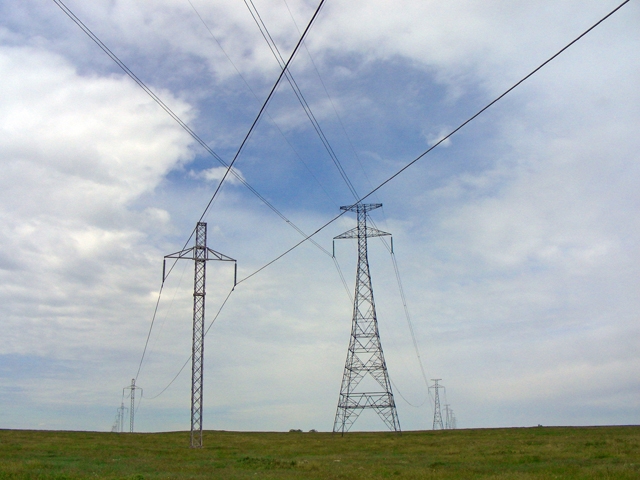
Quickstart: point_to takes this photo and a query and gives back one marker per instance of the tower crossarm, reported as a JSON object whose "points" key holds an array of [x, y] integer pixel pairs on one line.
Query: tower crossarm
{"points": [[361, 207], [200, 254], [190, 254], [196, 253], [356, 232], [187, 253]]}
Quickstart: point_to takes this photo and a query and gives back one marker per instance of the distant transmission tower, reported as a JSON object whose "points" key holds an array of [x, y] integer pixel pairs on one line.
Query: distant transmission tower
{"points": [[200, 254], [133, 387], [121, 411], [447, 416], [437, 416], [365, 350]]}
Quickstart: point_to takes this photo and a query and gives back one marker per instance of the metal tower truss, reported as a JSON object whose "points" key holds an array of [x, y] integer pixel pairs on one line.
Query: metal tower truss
{"points": [[437, 414], [120, 419], [365, 350], [447, 416], [132, 410], [200, 253]]}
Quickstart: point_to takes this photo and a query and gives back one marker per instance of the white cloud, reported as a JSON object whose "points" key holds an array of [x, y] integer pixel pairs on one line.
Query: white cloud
{"points": [[76, 151], [433, 139], [215, 174]]}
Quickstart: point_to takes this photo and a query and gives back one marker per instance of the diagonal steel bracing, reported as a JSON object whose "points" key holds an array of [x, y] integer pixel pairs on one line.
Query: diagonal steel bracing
{"points": [[200, 254], [364, 355]]}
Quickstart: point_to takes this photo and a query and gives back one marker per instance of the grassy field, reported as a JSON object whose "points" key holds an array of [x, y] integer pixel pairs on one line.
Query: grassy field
{"points": [[518, 453]]}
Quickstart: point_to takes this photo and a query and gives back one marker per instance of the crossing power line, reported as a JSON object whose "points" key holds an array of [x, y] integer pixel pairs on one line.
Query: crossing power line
{"points": [[229, 167], [441, 140]]}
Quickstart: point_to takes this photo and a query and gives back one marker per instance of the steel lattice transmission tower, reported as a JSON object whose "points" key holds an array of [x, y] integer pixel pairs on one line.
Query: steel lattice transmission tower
{"points": [[118, 424], [121, 411], [133, 387], [447, 416], [365, 350], [200, 254], [437, 414]]}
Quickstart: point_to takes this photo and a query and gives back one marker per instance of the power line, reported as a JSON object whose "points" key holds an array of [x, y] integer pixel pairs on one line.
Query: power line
{"points": [[153, 319], [173, 115], [390, 249], [409, 322], [454, 131], [273, 121], [335, 260], [229, 167], [333, 106], [497, 99], [284, 71], [188, 129], [255, 14], [187, 361], [299, 95], [443, 139]]}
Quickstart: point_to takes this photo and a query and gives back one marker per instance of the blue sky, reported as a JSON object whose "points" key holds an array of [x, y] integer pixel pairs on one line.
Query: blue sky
{"points": [[516, 239]]}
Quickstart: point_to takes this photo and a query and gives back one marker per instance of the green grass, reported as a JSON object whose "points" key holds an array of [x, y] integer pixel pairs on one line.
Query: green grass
{"points": [[514, 453]]}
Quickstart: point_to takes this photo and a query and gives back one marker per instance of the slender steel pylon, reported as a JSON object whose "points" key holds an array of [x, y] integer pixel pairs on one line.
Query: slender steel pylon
{"points": [[437, 414], [200, 254], [133, 387], [365, 350]]}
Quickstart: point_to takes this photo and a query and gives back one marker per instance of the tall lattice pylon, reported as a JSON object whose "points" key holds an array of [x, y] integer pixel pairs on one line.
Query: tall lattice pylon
{"points": [[200, 254], [437, 414], [365, 350]]}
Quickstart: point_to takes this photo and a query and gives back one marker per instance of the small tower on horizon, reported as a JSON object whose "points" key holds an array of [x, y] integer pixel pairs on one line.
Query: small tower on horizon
{"points": [[437, 415], [132, 395]]}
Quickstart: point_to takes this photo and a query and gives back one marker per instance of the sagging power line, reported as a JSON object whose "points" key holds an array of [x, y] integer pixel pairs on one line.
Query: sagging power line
{"points": [[441, 140]]}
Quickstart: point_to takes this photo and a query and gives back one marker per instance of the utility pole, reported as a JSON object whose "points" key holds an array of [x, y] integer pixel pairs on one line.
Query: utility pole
{"points": [[132, 410], [364, 355], [200, 254], [437, 415]]}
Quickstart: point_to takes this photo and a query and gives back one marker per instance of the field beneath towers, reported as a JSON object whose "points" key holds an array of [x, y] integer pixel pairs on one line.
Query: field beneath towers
{"points": [[514, 453]]}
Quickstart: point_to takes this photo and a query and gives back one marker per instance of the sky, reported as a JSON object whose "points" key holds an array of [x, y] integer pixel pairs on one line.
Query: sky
{"points": [[516, 238]]}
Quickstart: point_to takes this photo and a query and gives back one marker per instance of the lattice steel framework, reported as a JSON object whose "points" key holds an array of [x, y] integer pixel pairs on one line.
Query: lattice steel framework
{"points": [[447, 416], [120, 420], [118, 424], [437, 414], [200, 254], [133, 387], [365, 350]]}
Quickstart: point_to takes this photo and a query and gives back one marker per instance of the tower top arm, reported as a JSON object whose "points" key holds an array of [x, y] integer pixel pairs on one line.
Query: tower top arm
{"points": [[362, 207], [210, 254], [354, 232], [362, 230]]}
